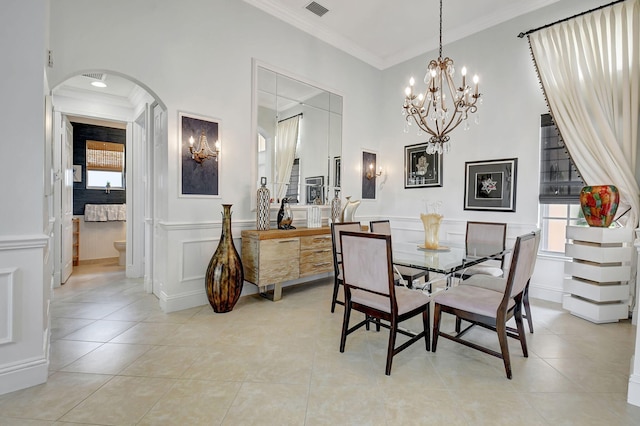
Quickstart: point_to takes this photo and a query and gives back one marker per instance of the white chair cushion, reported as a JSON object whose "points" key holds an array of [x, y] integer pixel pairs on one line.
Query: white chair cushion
{"points": [[472, 299], [493, 271], [488, 282], [406, 299]]}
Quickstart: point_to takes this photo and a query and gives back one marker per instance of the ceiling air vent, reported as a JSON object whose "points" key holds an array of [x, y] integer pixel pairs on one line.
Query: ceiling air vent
{"points": [[316, 8], [94, 75]]}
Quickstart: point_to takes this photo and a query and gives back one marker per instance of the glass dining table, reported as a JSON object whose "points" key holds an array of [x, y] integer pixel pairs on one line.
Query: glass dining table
{"points": [[450, 258]]}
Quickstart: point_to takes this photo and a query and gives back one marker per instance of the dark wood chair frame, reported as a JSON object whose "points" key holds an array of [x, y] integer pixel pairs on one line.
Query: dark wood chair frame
{"points": [[408, 274], [376, 316], [462, 274], [497, 323], [337, 262]]}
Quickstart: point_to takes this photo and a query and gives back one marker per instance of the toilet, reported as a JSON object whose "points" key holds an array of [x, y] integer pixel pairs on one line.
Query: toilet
{"points": [[121, 246]]}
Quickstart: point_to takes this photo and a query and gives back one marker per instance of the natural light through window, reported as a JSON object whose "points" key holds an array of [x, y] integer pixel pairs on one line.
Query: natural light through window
{"points": [[105, 165]]}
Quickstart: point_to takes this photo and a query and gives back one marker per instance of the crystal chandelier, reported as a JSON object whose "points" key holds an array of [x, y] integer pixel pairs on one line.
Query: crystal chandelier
{"points": [[442, 106]]}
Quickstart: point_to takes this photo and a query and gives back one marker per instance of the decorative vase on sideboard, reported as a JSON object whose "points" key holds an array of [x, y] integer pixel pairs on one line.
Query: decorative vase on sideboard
{"points": [[336, 205], [225, 275], [599, 204], [263, 211]]}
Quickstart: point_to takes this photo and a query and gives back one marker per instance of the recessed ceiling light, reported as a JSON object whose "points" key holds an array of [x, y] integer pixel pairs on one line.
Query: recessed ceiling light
{"points": [[98, 84]]}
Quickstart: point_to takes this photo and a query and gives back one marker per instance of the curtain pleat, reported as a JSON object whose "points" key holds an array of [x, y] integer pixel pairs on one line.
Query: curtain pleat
{"points": [[286, 141], [589, 70]]}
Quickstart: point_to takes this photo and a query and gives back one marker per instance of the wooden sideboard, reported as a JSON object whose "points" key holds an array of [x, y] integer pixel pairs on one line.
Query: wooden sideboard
{"points": [[278, 255]]}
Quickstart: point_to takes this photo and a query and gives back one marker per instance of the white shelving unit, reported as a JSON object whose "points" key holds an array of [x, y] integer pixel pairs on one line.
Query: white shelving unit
{"points": [[597, 280]]}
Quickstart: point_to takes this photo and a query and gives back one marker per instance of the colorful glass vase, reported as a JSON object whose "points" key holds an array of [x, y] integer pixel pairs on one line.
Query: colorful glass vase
{"points": [[225, 276], [599, 204]]}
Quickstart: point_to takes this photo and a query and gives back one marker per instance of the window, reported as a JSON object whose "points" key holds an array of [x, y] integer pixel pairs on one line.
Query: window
{"points": [[560, 185], [293, 190], [554, 219], [105, 165]]}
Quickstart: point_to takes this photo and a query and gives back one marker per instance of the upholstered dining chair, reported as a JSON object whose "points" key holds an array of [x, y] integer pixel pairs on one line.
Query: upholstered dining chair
{"points": [[498, 284], [490, 234], [337, 258], [407, 273], [369, 288], [490, 308]]}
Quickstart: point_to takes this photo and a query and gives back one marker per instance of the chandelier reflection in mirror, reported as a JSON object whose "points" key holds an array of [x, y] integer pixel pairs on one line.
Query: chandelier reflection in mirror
{"points": [[203, 150], [442, 106]]}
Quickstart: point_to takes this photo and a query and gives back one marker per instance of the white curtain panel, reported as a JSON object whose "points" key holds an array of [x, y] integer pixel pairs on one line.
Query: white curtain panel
{"points": [[589, 67], [286, 141]]}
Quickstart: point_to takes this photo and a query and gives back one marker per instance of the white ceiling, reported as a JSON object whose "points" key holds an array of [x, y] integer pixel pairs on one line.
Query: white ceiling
{"points": [[384, 33]]}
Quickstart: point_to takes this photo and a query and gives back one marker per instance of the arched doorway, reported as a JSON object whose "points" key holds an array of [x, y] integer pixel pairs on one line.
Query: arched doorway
{"points": [[111, 100]]}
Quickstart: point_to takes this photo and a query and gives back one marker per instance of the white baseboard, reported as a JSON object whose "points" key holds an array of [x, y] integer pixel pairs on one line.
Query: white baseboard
{"points": [[24, 375]]}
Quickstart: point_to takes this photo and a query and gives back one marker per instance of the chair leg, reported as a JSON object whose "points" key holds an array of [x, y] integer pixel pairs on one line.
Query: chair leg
{"points": [[393, 330], [427, 327], [345, 324], [520, 326], [501, 329], [336, 286], [527, 308], [436, 326]]}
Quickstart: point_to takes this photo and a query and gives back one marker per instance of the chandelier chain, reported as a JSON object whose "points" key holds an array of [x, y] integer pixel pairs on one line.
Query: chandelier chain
{"points": [[440, 50]]}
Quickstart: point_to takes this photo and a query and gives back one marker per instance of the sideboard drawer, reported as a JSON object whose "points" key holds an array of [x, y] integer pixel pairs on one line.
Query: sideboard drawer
{"points": [[315, 262], [315, 242]]}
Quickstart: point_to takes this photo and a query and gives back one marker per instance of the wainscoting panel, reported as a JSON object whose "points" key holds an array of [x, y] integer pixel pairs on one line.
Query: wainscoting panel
{"points": [[196, 255], [7, 303]]}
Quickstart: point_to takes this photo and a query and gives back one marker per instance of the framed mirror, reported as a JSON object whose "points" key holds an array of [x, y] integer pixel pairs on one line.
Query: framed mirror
{"points": [[299, 137]]}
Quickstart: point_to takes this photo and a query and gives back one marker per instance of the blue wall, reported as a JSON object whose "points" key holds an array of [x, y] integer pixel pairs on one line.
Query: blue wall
{"points": [[81, 195]]}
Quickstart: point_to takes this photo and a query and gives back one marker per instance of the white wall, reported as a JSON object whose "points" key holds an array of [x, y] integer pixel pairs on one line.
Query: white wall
{"points": [[509, 128], [25, 268], [196, 57], [206, 69], [96, 238]]}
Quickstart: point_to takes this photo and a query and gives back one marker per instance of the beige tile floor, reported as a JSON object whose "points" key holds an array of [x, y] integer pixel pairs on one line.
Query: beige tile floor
{"points": [[117, 359]]}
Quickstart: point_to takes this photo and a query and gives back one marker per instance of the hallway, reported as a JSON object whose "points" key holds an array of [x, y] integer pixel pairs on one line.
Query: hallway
{"points": [[117, 359]]}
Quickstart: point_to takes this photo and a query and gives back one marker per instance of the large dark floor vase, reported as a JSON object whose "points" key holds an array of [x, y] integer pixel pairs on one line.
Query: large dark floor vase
{"points": [[225, 276]]}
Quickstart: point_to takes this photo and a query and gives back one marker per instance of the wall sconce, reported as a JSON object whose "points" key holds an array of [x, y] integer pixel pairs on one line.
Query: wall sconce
{"points": [[371, 173], [203, 150]]}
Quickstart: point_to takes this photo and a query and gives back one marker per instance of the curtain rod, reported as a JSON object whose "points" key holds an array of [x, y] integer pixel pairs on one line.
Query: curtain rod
{"points": [[289, 118], [521, 35]]}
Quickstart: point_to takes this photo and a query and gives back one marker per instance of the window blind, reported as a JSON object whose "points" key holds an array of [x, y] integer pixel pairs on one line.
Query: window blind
{"points": [[106, 156], [560, 181]]}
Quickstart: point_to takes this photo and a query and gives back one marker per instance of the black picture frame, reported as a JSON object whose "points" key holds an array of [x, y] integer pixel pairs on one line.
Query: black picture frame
{"points": [[337, 172], [315, 189], [198, 179], [491, 185], [369, 165], [421, 170]]}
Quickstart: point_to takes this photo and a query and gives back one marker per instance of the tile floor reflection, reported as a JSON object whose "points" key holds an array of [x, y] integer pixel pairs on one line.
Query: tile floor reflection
{"points": [[117, 359]]}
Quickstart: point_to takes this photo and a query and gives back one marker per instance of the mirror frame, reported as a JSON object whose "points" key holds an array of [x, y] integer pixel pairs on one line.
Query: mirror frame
{"points": [[255, 64]]}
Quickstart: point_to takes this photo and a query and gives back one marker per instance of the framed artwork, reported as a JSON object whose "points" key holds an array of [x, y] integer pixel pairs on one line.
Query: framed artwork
{"points": [[421, 170], [77, 172], [369, 165], [199, 177], [315, 189], [337, 171], [491, 185]]}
